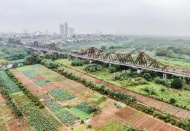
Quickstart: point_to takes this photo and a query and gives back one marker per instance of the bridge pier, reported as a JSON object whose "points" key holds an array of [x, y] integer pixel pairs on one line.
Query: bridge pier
{"points": [[110, 65], [164, 76], [90, 61], [139, 71]]}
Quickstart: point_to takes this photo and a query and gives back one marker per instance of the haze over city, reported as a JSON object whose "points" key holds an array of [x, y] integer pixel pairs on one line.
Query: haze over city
{"points": [[144, 17]]}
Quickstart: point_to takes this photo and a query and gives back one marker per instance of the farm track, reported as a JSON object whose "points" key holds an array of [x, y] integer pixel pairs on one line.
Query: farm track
{"points": [[128, 116], [159, 105]]}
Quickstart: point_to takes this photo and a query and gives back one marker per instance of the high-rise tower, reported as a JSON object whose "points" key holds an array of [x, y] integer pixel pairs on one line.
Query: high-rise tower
{"points": [[66, 29], [62, 29]]}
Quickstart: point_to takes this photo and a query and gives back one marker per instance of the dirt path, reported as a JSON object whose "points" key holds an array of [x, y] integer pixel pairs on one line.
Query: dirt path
{"points": [[159, 105]]}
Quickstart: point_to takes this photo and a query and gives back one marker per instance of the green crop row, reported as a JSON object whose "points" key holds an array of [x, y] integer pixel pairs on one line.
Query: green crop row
{"points": [[83, 106], [61, 94], [30, 74], [67, 118], [42, 82], [8, 84], [52, 105]]}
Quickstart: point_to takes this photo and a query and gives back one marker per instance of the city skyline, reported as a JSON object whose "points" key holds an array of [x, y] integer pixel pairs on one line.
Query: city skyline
{"points": [[149, 17], [65, 30]]}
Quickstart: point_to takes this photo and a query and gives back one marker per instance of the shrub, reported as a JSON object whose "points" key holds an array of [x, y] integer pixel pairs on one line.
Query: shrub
{"points": [[164, 82], [77, 62], [122, 75], [163, 89], [177, 83], [82, 122], [147, 76], [89, 126], [93, 68], [112, 69], [150, 90], [172, 100]]}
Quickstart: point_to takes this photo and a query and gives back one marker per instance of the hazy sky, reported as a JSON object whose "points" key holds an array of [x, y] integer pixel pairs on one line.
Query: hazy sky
{"points": [[156, 17]]}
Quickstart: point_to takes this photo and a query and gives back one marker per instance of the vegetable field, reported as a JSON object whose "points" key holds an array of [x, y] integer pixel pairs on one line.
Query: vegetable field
{"points": [[79, 113], [83, 106], [30, 74], [61, 94], [52, 105], [42, 82], [8, 83], [67, 118], [40, 119]]}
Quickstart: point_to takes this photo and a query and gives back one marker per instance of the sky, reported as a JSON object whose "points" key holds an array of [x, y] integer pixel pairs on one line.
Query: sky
{"points": [[142, 17]]}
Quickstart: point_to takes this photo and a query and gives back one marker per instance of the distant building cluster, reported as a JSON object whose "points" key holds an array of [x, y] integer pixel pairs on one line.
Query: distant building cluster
{"points": [[66, 31]]}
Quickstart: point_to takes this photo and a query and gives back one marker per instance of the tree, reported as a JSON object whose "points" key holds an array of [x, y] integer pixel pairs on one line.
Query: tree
{"points": [[103, 48], [147, 76], [177, 83], [172, 100]]}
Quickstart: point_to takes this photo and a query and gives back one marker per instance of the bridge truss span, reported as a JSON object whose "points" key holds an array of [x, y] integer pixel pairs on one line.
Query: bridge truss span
{"points": [[138, 60]]}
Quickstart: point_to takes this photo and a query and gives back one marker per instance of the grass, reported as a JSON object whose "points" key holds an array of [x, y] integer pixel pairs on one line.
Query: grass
{"points": [[24, 68], [98, 99], [79, 113], [55, 78], [175, 62], [182, 96], [112, 125]]}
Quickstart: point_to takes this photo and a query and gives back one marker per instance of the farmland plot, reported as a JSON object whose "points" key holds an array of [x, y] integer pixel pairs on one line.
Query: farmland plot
{"points": [[60, 94], [98, 99], [42, 82], [83, 106], [79, 113], [107, 112], [30, 74], [40, 119], [8, 83], [52, 105], [112, 125], [8, 120], [67, 118]]}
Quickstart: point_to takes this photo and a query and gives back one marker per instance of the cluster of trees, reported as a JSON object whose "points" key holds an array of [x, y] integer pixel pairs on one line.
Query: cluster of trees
{"points": [[34, 59], [50, 64], [93, 68], [12, 53], [77, 62], [164, 82], [28, 94], [11, 101], [165, 52], [173, 51], [123, 75]]}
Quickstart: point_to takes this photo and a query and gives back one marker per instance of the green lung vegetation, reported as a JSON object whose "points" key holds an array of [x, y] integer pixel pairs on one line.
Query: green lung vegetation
{"points": [[154, 86]]}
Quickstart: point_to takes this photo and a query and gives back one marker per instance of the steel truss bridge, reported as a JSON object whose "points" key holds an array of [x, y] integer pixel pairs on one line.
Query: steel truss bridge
{"points": [[138, 60]]}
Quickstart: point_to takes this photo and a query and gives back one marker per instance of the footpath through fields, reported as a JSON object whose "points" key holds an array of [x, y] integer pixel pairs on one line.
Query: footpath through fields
{"points": [[159, 105]]}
